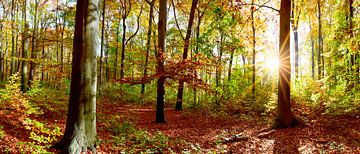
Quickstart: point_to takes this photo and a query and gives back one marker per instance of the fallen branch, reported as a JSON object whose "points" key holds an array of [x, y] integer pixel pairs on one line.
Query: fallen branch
{"points": [[266, 134], [235, 138]]}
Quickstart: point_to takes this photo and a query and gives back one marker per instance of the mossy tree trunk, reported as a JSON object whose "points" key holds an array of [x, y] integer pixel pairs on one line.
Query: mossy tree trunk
{"points": [[80, 131]]}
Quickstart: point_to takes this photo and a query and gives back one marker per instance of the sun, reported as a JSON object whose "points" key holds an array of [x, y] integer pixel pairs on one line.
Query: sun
{"points": [[272, 63]]}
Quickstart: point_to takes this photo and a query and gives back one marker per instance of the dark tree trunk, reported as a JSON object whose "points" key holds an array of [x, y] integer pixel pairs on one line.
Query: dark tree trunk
{"points": [[80, 131], [12, 63], [185, 53], [160, 115], [25, 52], [148, 45], [284, 118], [230, 64], [123, 45], [253, 51]]}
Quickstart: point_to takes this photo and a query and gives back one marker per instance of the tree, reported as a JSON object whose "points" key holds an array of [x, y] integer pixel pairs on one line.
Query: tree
{"points": [[80, 131], [102, 42], [126, 8], [294, 20], [320, 56], [253, 48], [284, 118], [160, 69], [34, 45], [185, 53], [148, 42], [25, 52]]}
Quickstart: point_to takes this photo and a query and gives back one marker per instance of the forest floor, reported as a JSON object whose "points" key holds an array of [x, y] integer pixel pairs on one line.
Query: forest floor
{"points": [[131, 127]]}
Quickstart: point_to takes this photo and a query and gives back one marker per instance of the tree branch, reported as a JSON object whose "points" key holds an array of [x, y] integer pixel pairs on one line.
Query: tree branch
{"points": [[138, 26], [177, 23]]}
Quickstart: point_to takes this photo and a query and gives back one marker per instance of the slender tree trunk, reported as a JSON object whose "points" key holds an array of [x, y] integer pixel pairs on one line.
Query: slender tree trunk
{"points": [[320, 56], [230, 64], [294, 24], [123, 45], [102, 43], [148, 45], [12, 66], [253, 51], [80, 131], [284, 118], [117, 50], [33, 47], [185, 53], [107, 70], [312, 55], [244, 63], [25, 56], [218, 68], [160, 107], [62, 46]]}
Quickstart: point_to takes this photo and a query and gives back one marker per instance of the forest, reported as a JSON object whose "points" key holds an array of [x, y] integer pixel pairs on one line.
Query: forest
{"points": [[179, 76]]}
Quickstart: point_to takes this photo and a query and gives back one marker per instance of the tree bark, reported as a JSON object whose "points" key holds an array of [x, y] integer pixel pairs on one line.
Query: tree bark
{"points": [[284, 118], [253, 51], [33, 47], [160, 113], [185, 53], [25, 56], [102, 43], [12, 63], [295, 22], [312, 55], [117, 50], [320, 56], [123, 45], [230, 64], [148, 45], [80, 131]]}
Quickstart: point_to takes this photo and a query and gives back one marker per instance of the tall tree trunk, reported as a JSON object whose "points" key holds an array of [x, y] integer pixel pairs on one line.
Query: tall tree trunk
{"points": [[102, 43], [12, 66], [62, 46], [312, 55], [320, 56], [80, 131], [185, 53], [253, 50], [284, 118], [148, 45], [230, 64], [218, 68], [117, 50], [160, 104], [33, 47], [25, 52], [294, 24], [123, 45]]}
